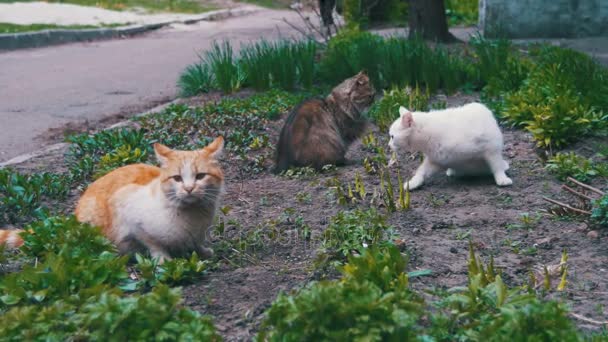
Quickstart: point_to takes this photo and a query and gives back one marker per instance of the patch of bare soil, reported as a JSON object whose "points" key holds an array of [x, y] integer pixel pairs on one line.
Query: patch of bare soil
{"points": [[262, 249], [58, 134]]}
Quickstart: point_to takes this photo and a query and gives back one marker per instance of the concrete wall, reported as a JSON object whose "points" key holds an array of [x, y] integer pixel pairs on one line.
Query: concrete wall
{"points": [[543, 18]]}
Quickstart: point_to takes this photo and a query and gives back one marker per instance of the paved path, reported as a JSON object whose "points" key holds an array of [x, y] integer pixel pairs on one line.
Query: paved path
{"points": [[50, 87]]}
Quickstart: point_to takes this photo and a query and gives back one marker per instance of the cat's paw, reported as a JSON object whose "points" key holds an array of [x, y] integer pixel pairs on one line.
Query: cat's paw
{"points": [[503, 181], [413, 184], [450, 172], [206, 252]]}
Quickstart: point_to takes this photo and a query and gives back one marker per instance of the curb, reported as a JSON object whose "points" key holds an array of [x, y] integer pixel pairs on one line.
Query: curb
{"points": [[58, 146], [15, 41]]}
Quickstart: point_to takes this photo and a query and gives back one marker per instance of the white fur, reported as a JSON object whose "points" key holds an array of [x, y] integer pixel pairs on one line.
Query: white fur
{"points": [[462, 140], [146, 210]]}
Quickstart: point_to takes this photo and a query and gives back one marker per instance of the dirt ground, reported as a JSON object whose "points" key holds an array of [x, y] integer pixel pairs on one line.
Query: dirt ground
{"points": [[266, 213]]}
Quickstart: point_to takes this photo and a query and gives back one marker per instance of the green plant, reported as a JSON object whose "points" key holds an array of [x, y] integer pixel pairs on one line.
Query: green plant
{"points": [[599, 213], [109, 316], [462, 12], [228, 73], [371, 302], [361, 13], [173, 272], [385, 111], [23, 197], [565, 165], [349, 52], [488, 309], [117, 147], [280, 64], [354, 231], [64, 236], [123, 155], [196, 79], [562, 98]]}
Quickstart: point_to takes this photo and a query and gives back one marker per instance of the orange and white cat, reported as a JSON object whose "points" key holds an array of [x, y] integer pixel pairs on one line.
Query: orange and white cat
{"points": [[166, 210]]}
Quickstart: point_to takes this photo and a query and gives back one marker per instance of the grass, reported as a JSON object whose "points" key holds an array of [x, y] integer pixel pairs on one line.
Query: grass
{"points": [[278, 4], [78, 278], [177, 6], [79, 287], [462, 12], [15, 28]]}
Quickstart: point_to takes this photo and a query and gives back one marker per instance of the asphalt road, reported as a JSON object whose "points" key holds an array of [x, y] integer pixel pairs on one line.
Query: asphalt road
{"points": [[44, 89]]}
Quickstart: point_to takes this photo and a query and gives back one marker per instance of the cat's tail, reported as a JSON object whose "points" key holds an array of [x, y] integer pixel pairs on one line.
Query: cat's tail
{"points": [[283, 154], [11, 238]]}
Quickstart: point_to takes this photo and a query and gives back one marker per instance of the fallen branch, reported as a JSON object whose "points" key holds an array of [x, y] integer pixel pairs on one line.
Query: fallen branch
{"points": [[588, 187], [569, 189], [588, 320], [564, 205]]}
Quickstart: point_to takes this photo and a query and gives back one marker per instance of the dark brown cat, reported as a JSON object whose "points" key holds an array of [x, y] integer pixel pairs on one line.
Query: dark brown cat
{"points": [[318, 131]]}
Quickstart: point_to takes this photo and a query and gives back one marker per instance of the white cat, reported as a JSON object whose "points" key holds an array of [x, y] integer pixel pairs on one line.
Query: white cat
{"points": [[463, 140]]}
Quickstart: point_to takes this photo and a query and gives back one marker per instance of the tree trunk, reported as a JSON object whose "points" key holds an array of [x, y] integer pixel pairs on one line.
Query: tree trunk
{"points": [[327, 7], [427, 19]]}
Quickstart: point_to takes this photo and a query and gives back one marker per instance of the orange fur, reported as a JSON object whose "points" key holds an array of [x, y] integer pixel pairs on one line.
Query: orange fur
{"points": [[165, 209], [11, 238]]}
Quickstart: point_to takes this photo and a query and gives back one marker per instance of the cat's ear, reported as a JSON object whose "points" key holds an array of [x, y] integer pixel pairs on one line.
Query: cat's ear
{"points": [[215, 148], [162, 153], [362, 77], [407, 119]]}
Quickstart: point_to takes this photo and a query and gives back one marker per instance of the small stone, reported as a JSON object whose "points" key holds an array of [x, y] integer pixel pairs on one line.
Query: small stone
{"points": [[582, 227], [453, 250], [546, 242], [593, 234]]}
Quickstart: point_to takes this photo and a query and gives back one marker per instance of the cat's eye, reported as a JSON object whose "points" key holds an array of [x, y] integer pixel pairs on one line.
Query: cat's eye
{"points": [[200, 175], [177, 178], [391, 136]]}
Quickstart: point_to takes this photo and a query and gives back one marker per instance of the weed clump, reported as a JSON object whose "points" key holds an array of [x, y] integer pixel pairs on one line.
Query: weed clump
{"points": [[562, 100], [372, 301]]}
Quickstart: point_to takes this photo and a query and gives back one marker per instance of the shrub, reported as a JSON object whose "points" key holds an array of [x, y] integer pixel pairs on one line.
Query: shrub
{"points": [[565, 165], [362, 306], [196, 79], [462, 12], [22, 196], [599, 213], [75, 291], [108, 316], [384, 112], [123, 155], [354, 231], [561, 100], [372, 301], [64, 236], [116, 147]]}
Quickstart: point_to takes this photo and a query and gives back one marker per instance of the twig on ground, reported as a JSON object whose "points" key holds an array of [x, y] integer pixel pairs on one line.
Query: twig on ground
{"points": [[564, 205], [569, 189], [588, 320], [588, 187]]}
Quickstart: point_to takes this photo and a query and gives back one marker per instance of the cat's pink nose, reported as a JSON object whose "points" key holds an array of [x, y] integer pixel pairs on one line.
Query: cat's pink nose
{"points": [[188, 189]]}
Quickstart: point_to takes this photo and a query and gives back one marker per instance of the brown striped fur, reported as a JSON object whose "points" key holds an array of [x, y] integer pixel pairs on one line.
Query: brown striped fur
{"points": [[318, 131]]}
